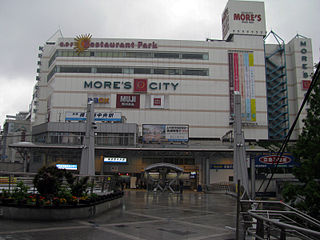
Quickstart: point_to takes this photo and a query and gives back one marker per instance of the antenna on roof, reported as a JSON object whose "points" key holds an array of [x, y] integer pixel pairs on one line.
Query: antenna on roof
{"points": [[55, 36]]}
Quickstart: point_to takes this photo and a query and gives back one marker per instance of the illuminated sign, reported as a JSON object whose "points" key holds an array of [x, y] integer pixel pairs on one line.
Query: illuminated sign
{"points": [[221, 166], [128, 101], [98, 116], [82, 43], [67, 166], [114, 160]]}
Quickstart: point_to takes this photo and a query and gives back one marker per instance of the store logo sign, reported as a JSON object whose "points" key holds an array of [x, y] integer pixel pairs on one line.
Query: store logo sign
{"points": [[157, 101], [140, 85], [82, 43], [100, 100], [128, 101]]}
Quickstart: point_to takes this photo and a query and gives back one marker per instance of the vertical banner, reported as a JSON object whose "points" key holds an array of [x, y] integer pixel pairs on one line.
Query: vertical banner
{"points": [[241, 79], [236, 72], [252, 92], [231, 84], [248, 90], [242, 84]]}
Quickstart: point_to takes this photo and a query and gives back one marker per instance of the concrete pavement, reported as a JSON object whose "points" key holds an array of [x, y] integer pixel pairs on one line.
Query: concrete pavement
{"points": [[143, 216]]}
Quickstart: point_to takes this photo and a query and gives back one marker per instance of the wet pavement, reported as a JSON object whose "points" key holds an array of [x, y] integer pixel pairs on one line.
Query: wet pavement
{"points": [[143, 215]]}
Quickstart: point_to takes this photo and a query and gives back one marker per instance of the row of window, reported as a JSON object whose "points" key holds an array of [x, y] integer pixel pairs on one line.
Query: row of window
{"points": [[124, 54], [129, 70], [101, 139]]}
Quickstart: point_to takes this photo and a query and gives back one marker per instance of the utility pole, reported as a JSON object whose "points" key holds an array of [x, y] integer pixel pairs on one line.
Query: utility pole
{"points": [[87, 165], [240, 168]]}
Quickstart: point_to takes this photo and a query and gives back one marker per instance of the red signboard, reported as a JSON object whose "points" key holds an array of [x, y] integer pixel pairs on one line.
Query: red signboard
{"points": [[306, 84], [157, 102], [140, 85], [272, 159], [128, 101]]}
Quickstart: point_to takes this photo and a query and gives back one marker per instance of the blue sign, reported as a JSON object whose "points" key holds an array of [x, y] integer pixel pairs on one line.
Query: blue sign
{"points": [[271, 160]]}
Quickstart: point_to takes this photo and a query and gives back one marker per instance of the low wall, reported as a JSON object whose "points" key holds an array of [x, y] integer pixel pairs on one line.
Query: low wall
{"points": [[62, 213]]}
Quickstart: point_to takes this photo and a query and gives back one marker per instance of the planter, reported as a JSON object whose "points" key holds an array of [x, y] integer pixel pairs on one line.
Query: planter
{"points": [[65, 212]]}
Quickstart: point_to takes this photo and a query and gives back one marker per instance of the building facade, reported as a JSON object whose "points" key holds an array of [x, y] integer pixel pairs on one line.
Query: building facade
{"points": [[171, 100]]}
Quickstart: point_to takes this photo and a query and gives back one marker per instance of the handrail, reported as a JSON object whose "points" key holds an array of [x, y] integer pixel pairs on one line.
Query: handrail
{"points": [[284, 225], [268, 217]]}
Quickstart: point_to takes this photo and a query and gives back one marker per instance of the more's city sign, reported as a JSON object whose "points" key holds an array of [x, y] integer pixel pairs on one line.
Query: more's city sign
{"points": [[138, 85]]}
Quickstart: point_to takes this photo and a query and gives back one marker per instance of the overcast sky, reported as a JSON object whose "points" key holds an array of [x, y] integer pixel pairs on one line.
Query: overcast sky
{"points": [[27, 24]]}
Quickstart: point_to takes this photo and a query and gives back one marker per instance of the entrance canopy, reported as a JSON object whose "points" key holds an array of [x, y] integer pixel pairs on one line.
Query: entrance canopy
{"points": [[157, 166]]}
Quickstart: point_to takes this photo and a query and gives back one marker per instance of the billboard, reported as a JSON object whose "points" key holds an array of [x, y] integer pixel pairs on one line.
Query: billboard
{"points": [[128, 101], [98, 116], [243, 17], [164, 133], [241, 79], [270, 160]]}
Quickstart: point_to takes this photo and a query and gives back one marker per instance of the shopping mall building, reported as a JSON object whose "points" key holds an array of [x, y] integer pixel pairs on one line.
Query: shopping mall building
{"points": [[169, 100]]}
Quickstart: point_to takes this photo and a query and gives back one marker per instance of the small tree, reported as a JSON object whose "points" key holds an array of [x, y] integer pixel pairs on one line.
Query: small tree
{"points": [[49, 180], [306, 195]]}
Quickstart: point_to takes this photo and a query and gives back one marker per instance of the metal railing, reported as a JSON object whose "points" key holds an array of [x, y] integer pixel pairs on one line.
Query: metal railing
{"points": [[277, 220]]}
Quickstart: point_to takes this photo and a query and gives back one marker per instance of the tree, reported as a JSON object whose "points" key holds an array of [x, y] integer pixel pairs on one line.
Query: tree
{"points": [[306, 195]]}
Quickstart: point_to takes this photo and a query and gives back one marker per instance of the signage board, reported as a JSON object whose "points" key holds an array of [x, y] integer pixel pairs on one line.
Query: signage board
{"points": [[241, 79], [67, 166], [269, 161], [165, 133], [243, 17], [157, 101], [98, 116], [221, 166], [114, 160], [128, 101], [140, 85]]}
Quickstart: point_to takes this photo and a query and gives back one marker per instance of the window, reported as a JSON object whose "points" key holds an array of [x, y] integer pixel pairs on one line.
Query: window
{"points": [[166, 55], [75, 69], [109, 70], [195, 72], [192, 56], [142, 70]]}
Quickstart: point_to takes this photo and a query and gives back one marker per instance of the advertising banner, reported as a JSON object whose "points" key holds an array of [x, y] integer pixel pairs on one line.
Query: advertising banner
{"points": [[128, 101], [269, 161], [98, 116], [241, 79], [165, 133]]}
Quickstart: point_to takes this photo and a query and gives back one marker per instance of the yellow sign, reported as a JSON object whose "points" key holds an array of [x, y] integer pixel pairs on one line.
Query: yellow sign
{"points": [[82, 43]]}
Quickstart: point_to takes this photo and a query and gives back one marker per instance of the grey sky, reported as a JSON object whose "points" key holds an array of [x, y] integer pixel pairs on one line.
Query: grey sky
{"points": [[26, 25]]}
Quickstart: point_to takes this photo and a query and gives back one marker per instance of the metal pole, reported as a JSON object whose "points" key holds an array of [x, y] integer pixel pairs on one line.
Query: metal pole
{"points": [[253, 179], [238, 210]]}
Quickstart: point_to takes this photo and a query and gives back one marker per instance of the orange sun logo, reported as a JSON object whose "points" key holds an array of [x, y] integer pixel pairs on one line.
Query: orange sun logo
{"points": [[82, 43]]}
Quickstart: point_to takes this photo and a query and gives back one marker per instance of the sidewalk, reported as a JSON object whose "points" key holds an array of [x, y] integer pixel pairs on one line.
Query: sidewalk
{"points": [[144, 215]]}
